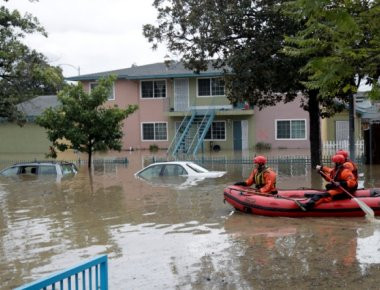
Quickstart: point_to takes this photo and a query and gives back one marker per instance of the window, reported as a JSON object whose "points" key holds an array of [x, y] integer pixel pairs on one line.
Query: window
{"points": [[154, 131], [197, 168], [67, 169], [111, 96], [153, 89], [10, 171], [173, 170], [291, 129], [47, 170], [210, 87], [217, 131], [152, 171]]}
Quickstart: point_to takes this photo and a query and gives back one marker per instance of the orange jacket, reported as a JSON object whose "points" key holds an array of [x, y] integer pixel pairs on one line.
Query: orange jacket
{"points": [[352, 166], [265, 180], [343, 173]]}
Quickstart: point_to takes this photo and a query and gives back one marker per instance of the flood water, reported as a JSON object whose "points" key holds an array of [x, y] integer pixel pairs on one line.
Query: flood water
{"points": [[177, 234]]}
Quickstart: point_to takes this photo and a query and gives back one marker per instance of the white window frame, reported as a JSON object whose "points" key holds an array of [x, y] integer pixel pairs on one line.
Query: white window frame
{"points": [[154, 80], [113, 97], [289, 139], [225, 131], [154, 140], [210, 96]]}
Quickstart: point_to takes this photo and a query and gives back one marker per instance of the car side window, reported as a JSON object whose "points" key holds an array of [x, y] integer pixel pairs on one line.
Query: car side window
{"points": [[10, 171], [28, 170], [174, 170], [47, 170], [152, 171]]}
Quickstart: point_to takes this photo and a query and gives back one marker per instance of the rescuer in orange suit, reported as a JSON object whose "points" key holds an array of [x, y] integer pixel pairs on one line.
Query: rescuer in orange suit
{"points": [[341, 176], [263, 177], [348, 162]]}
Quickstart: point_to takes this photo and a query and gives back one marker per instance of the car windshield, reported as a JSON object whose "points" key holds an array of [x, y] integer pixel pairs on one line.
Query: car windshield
{"points": [[67, 169], [151, 171], [10, 171], [197, 168]]}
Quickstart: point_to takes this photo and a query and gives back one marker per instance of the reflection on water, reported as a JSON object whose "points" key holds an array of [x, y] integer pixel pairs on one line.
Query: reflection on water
{"points": [[161, 234], [177, 182]]}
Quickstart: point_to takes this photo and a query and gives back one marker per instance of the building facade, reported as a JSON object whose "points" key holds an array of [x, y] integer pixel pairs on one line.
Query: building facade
{"points": [[169, 96]]}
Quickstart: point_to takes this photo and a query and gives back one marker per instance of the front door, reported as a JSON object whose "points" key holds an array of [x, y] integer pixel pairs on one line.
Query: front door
{"points": [[237, 136], [244, 134], [181, 95]]}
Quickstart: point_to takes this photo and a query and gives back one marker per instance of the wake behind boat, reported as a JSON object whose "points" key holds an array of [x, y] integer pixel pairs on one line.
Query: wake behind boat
{"points": [[289, 203]]}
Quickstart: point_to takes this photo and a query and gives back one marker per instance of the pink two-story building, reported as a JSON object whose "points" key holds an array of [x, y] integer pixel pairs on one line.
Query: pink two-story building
{"points": [[189, 112]]}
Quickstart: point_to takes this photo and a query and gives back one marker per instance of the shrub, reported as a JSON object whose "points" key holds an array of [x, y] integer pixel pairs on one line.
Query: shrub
{"points": [[263, 146], [153, 148]]}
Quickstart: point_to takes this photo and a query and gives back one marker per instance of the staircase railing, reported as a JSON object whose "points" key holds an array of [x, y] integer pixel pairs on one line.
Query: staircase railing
{"points": [[184, 133], [202, 127], [173, 143], [204, 131]]}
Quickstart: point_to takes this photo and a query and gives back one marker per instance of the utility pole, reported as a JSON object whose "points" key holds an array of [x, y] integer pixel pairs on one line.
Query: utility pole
{"points": [[351, 124]]}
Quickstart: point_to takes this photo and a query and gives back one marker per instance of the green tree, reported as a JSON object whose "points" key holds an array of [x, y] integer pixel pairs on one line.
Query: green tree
{"points": [[82, 122], [24, 73], [247, 37], [341, 41]]}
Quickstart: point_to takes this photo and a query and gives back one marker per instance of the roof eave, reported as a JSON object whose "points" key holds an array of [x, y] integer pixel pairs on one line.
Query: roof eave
{"points": [[141, 77]]}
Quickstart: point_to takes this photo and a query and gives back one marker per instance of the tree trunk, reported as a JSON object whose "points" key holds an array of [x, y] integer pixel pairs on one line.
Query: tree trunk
{"points": [[351, 122], [314, 129], [89, 156]]}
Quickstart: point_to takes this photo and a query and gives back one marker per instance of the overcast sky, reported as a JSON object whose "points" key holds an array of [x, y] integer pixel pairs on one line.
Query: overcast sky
{"points": [[93, 35]]}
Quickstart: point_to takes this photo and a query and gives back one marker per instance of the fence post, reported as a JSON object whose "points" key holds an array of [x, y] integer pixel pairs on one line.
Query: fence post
{"points": [[104, 275]]}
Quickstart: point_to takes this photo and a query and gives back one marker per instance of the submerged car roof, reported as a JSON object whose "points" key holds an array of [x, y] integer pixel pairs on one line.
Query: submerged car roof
{"points": [[42, 162], [173, 162]]}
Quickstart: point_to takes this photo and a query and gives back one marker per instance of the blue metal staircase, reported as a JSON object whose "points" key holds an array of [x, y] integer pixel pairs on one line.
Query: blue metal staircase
{"points": [[191, 132]]}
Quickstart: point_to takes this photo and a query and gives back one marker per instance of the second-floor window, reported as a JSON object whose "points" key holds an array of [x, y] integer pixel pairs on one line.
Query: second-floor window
{"points": [[153, 89], [210, 87], [291, 129], [111, 96]]}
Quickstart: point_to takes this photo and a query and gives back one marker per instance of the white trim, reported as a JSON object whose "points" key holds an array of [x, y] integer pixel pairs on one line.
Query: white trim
{"points": [[113, 90], [289, 139], [226, 107], [211, 96], [153, 80], [225, 131], [154, 140]]}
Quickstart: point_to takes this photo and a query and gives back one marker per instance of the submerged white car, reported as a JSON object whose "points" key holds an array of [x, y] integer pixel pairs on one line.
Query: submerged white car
{"points": [[57, 169], [177, 168]]}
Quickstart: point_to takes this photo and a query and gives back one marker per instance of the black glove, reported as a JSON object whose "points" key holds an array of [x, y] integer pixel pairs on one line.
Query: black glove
{"points": [[242, 183], [343, 184], [330, 186]]}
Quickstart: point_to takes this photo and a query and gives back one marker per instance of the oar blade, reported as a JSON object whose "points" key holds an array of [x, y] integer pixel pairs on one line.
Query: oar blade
{"points": [[369, 211]]}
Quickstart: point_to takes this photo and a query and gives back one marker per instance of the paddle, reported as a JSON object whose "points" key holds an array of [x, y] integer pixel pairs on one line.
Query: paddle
{"points": [[276, 196], [370, 214]]}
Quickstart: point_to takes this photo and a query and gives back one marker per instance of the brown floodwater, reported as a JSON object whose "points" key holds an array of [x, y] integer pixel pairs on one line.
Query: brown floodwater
{"points": [[178, 233]]}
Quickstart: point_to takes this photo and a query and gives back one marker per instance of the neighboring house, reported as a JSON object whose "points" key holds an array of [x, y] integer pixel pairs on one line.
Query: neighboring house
{"points": [[30, 138], [370, 125], [336, 128], [189, 112], [283, 125]]}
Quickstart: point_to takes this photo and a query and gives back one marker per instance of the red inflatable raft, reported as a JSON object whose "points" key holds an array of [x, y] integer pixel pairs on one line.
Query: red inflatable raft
{"points": [[288, 203]]}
